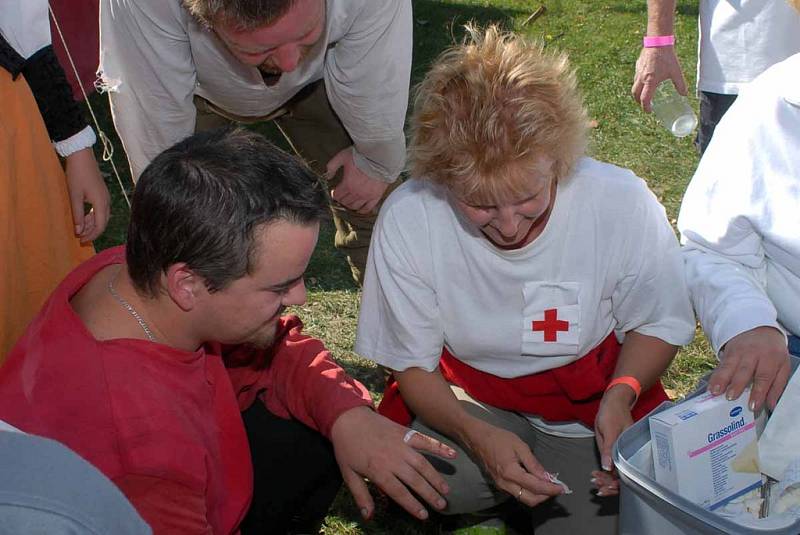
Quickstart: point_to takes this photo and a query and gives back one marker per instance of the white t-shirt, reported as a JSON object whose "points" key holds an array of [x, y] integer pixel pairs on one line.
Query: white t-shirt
{"points": [[740, 217], [606, 261], [741, 39]]}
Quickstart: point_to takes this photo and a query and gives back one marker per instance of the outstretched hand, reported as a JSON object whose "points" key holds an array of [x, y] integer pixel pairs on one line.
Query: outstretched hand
{"points": [[653, 67], [356, 191], [86, 185], [370, 446], [759, 356]]}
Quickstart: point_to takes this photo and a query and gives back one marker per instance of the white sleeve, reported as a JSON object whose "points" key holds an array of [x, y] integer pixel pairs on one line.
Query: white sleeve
{"points": [[25, 25], [723, 250], [651, 296], [146, 66], [367, 76], [82, 140], [399, 325]]}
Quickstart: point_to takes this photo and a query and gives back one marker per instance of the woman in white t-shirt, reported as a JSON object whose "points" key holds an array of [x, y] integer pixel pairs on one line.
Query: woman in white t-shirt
{"points": [[501, 278]]}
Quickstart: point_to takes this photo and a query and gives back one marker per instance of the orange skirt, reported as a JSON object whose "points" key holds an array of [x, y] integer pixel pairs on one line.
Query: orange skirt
{"points": [[37, 244]]}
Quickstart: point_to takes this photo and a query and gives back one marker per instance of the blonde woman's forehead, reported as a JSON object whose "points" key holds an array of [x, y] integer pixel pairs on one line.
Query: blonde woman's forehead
{"points": [[510, 185]]}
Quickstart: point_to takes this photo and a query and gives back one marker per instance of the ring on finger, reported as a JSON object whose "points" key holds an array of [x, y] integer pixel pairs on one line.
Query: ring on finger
{"points": [[519, 494]]}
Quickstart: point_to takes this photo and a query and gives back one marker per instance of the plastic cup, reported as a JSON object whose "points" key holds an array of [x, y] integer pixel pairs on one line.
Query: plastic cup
{"points": [[673, 110]]}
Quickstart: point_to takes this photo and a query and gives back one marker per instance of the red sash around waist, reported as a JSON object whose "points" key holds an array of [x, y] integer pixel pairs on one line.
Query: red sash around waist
{"points": [[566, 394]]}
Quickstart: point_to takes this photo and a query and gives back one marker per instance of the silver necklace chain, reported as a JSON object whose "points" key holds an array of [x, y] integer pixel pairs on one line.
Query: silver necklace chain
{"points": [[129, 308]]}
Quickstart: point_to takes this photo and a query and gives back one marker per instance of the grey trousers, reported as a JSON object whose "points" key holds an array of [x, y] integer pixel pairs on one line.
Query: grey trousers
{"points": [[472, 490], [316, 134]]}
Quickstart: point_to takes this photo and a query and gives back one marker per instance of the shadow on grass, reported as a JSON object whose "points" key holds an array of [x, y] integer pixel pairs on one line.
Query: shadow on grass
{"points": [[439, 24]]}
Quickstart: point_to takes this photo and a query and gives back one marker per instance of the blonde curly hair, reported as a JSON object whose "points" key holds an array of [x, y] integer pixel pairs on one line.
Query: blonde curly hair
{"points": [[492, 106]]}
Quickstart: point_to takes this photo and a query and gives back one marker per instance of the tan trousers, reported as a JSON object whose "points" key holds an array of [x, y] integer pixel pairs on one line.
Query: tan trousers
{"points": [[472, 490], [314, 131]]}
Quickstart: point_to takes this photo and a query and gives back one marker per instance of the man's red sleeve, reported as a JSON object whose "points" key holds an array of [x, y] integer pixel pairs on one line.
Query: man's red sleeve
{"points": [[296, 379]]}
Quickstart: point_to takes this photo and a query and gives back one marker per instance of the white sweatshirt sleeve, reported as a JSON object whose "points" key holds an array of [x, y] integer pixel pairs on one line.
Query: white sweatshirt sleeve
{"points": [[721, 219], [147, 68], [367, 77]]}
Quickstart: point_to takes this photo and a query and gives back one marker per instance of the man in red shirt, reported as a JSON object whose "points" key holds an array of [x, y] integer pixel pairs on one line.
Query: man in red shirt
{"points": [[168, 364]]}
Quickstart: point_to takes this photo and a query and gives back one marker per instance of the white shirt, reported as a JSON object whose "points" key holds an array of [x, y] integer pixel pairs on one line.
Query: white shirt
{"points": [[25, 25], [740, 217], [606, 261], [154, 57], [741, 39]]}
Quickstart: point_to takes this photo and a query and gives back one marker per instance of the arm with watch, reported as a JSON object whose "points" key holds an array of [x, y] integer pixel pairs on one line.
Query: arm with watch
{"points": [[657, 60]]}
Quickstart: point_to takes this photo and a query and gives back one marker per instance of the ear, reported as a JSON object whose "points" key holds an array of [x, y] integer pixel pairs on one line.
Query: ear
{"points": [[184, 286]]}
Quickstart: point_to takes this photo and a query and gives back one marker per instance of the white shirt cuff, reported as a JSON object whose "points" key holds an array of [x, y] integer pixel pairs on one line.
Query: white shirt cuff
{"points": [[83, 139]]}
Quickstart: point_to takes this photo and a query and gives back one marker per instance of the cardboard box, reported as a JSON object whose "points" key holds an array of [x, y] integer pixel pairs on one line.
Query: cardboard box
{"points": [[695, 446]]}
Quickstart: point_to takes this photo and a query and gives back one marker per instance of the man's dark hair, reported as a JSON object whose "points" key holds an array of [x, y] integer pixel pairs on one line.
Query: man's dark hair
{"points": [[241, 14], [201, 200]]}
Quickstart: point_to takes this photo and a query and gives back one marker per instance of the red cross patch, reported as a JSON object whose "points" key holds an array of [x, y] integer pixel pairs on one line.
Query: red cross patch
{"points": [[551, 325]]}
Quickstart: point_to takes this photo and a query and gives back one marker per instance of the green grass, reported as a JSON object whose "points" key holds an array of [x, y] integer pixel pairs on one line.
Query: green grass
{"points": [[603, 39]]}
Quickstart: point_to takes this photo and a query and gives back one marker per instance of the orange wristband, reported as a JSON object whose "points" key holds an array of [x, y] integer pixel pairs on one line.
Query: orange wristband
{"points": [[629, 380]]}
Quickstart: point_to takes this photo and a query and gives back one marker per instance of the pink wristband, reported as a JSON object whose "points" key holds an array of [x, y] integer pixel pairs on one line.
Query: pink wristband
{"points": [[656, 41]]}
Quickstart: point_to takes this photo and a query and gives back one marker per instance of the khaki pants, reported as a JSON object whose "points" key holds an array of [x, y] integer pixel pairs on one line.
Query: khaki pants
{"points": [[472, 490], [312, 129]]}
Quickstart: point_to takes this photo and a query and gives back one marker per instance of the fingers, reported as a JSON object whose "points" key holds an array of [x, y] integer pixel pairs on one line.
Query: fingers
{"points": [[335, 163], [398, 492], [90, 230], [537, 488], [772, 372], [606, 437], [354, 201], [646, 99], [101, 213], [781, 380], [531, 463], [680, 84], [636, 90], [369, 206], [347, 198], [606, 483], [721, 378], [360, 493], [604, 446], [425, 481], [423, 478], [76, 205], [528, 498], [742, 376], [420, 441]]}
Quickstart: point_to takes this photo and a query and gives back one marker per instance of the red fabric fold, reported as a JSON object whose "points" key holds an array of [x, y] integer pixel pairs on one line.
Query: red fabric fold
{"points": [[566, 394], [79, 21]]}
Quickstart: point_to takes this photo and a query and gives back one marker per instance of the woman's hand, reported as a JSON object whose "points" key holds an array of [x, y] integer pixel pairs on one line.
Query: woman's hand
{"points": [[613, 417], [510, 463], [758, 355], [86, 185]]}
